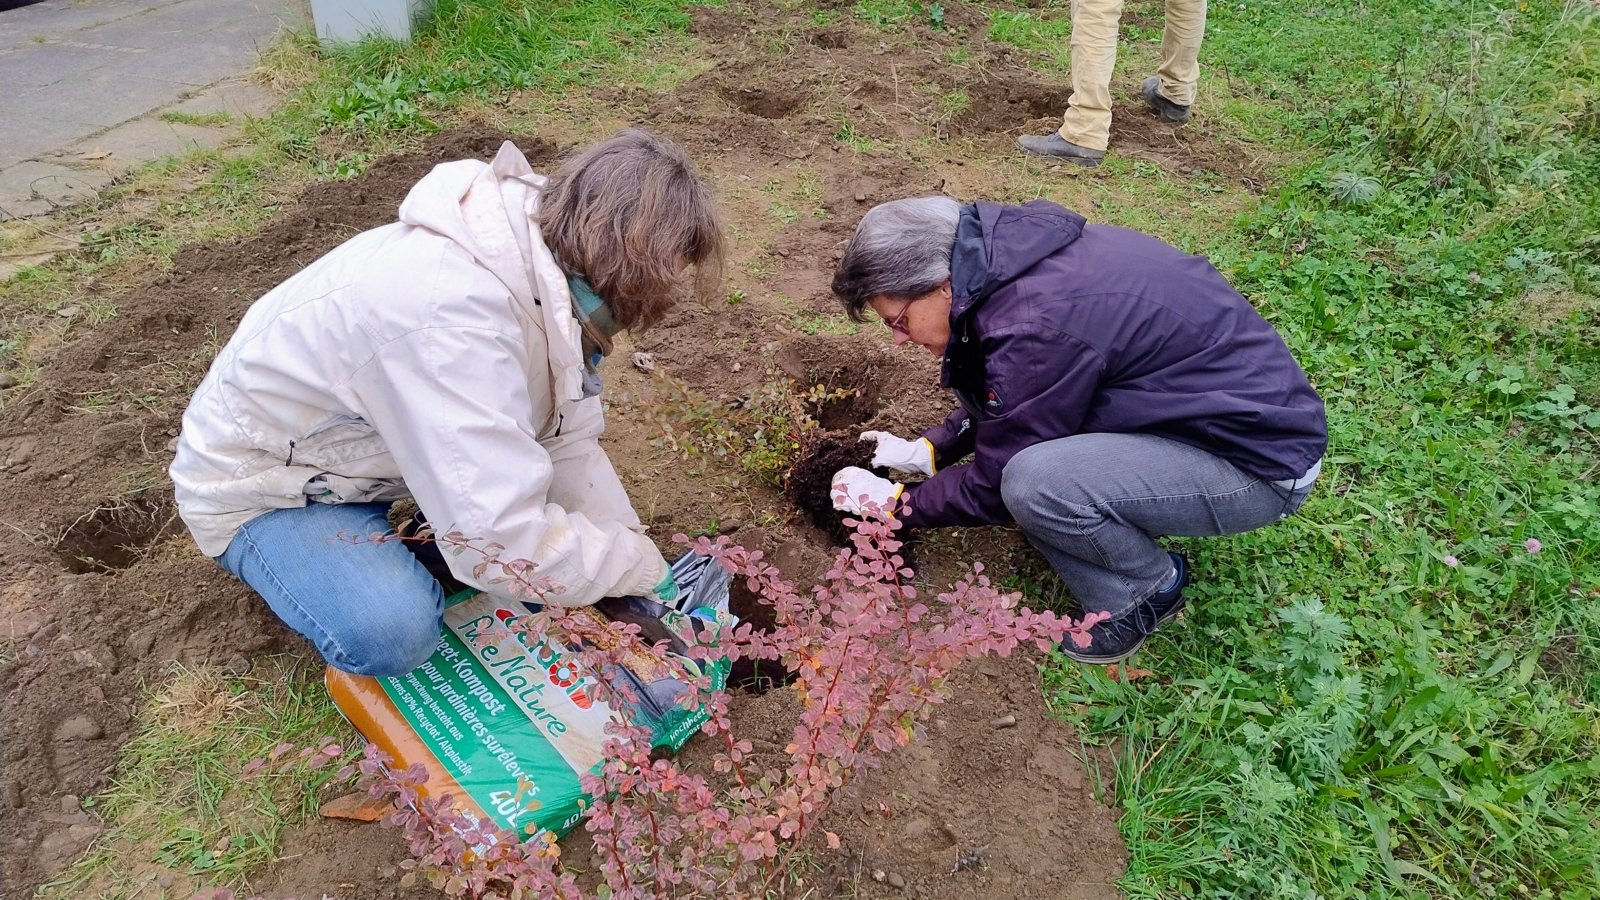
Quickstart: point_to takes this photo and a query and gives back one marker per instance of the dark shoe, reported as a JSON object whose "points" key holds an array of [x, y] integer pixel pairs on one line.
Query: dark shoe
{"points": [[1170, 112], [417, 535], [1059, 147], [1167, 604], [1120, 636]]}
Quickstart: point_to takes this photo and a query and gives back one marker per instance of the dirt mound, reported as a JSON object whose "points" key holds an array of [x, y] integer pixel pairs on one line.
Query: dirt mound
{"points": [[809, 483]]}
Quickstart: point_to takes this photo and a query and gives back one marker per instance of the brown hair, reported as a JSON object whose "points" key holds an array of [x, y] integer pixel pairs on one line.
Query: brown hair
{"points": [[625, 214]]}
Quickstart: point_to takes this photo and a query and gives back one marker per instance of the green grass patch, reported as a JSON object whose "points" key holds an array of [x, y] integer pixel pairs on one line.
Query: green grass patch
{"points": [[179, 809], [1046, 31], [1394, 694]]}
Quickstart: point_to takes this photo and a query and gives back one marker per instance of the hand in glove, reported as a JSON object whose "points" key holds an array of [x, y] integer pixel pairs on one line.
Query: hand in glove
{"points": [[853, 487], [666, 591], [900, 454]]}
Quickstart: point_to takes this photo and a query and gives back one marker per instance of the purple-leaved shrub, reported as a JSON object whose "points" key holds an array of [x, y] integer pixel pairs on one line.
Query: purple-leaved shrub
{"points": [[871, 660]]}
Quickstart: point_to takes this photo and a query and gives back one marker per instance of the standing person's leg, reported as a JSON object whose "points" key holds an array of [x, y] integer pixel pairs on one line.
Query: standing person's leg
{"points": [[1171, 91], [1093, 503], [1087, 122], [370, 609], [1086, 127]]}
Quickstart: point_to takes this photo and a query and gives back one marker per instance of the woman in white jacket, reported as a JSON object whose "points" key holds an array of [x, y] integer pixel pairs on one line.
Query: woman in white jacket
{"points": [[452, 357]]}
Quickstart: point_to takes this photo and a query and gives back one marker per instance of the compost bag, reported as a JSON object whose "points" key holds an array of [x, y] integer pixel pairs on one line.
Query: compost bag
{"points": [[509, 727]]}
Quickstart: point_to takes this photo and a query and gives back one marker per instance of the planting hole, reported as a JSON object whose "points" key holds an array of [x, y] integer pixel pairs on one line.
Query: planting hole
{"points": [[768, 103], [755, 676], [114, 537], [839, 384]]}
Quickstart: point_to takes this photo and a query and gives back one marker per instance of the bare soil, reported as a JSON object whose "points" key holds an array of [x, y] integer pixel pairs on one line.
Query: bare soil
{"points": [[100, 590]]}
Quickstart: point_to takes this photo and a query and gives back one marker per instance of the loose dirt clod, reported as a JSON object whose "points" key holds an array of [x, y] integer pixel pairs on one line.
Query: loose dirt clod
{"points": [[809, 485]]}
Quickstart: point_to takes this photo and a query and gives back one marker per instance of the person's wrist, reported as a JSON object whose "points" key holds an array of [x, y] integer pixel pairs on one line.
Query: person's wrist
{"points": [[933, 465], [667, 589]]}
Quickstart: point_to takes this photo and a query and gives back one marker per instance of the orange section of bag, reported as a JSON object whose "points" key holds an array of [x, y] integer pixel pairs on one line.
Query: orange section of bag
{"points": [[370, 710]]}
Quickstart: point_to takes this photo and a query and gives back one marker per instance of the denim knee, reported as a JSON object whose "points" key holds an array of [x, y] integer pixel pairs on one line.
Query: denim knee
{"points": [[1022, 482], [389, 647]]}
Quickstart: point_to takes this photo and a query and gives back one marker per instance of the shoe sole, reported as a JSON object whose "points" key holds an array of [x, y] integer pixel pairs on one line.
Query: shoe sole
{"points": [[1074, 160]]}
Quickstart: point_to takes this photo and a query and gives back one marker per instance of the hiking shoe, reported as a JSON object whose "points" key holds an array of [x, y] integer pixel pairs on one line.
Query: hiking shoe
{"points": [[1170, 112], [1059, 147], [1120, 636]]}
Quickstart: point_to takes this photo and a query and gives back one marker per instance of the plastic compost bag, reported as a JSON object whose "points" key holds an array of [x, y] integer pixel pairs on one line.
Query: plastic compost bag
{"points": [[508, 728]]}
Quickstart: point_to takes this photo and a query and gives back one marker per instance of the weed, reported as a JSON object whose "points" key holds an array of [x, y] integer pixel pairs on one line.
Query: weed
{"points": [[886, 12], [954, 103], [850, 137], [212, 119], [760, 433]]}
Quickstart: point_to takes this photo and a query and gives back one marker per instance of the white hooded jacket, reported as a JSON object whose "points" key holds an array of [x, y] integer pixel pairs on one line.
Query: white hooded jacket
{"points": [[438, 358]]}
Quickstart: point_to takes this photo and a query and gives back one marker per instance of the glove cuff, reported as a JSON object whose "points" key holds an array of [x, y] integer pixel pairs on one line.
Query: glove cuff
{"points": [[933, 466], [667, 590]]}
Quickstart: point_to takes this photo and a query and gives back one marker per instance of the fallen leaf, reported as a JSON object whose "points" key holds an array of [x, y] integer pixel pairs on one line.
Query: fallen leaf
{"points": [[1127, 673], [357, 806], [833, 840]]}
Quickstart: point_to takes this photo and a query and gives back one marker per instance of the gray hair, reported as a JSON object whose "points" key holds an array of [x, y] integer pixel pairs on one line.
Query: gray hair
{"points": [[900, 249]]}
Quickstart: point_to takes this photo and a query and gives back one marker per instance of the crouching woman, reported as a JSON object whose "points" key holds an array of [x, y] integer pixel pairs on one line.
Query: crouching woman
{"points": [[452, 357], [1113, 389]]}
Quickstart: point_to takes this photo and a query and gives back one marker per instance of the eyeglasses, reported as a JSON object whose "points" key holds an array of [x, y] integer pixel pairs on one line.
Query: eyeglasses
{"points": [[898, 323]]}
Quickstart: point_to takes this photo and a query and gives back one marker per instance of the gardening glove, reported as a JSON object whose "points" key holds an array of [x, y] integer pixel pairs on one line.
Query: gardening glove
{"points": [[915, 457], [854, 487], [666, 591]]}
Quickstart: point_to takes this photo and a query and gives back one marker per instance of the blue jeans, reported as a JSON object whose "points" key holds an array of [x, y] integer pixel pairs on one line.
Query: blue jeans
{"points": [[370, 609], [1093, 504]]}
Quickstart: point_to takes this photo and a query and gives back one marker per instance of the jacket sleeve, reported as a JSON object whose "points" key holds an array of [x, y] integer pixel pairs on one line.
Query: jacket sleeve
{"points": [[454, 406], [584, 480], [1044, 382], [953, 438]]}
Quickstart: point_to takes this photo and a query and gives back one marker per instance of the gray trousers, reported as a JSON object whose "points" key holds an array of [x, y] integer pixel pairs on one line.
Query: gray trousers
{"points": [[1094, 503]]}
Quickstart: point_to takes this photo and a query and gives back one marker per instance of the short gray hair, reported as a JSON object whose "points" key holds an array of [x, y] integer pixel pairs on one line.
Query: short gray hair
{"points": [[900, 249]]}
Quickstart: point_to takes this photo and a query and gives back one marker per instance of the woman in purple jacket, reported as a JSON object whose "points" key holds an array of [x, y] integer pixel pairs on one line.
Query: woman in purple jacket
{"points": [[1112, 388]]}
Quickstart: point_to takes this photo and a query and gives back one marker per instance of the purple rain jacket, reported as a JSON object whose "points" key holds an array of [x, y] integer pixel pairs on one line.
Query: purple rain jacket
{"points": [[1060, 328]]}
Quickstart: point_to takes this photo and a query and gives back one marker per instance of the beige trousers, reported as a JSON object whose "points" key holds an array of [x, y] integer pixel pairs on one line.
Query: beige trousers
{"points": [[1094, 54]]}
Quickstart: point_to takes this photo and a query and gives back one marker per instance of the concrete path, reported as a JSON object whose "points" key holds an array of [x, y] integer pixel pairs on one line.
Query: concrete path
{"points": [[89, 88]]}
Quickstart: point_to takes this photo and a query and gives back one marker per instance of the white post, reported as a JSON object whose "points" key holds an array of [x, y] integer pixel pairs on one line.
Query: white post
{"points": [[343, 21]]}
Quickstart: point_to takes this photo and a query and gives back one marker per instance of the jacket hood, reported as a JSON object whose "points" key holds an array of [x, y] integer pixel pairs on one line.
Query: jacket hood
{"points": [[996, 244], [488, 210]]}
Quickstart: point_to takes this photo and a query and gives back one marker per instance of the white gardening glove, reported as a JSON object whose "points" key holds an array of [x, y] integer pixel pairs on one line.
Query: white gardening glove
{"points": [[854, 487], [900, 454]]}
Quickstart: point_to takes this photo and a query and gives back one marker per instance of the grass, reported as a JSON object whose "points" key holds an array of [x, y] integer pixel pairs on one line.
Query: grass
{"points": [[179, 812], [1391, 695]]}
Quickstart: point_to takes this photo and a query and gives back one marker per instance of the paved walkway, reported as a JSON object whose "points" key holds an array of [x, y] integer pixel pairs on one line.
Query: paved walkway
{"points": [[89, 88]]}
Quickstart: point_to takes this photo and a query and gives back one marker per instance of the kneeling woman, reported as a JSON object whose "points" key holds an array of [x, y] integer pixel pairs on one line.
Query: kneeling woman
{"points": [[1113, 389], [451, 357]]}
